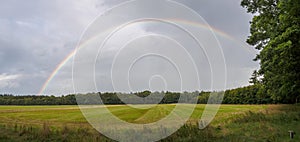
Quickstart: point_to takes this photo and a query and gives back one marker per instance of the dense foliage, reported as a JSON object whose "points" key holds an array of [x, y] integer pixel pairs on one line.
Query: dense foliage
{"points": [[245, 95], [7, 99], [275, 32]]}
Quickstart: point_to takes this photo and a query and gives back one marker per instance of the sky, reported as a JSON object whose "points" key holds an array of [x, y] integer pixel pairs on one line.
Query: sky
{"points": [[38, 40]]}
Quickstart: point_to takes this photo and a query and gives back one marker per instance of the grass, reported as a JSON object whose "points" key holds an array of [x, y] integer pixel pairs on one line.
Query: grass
{"points": [[232, 123]]}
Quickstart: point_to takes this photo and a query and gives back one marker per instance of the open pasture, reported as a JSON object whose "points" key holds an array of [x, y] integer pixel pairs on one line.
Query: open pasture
{"points": [[232, 123]]}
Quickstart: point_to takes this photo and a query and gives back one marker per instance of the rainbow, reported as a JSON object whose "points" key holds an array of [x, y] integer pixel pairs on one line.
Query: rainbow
{"points": [[185, 22]]}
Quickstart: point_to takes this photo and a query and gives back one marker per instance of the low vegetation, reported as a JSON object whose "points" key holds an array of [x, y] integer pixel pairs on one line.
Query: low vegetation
{"points": [[232, 123]]}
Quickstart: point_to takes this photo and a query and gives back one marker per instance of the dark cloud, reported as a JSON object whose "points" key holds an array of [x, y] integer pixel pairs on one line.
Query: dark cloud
{"points": [[227, 15]]}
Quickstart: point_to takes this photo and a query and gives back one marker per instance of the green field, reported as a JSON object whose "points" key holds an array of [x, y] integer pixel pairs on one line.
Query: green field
{"points": [[232, 123]]}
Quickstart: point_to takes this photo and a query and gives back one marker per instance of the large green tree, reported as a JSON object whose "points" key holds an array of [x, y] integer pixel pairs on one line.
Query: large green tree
{"points": [[275, 32]]}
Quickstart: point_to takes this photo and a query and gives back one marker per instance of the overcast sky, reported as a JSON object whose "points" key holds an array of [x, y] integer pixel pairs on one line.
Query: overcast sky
{"points": [[36, 36]]}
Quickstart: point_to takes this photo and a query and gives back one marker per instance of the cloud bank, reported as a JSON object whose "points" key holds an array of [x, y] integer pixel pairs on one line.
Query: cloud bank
{"points": [[36, 36]]}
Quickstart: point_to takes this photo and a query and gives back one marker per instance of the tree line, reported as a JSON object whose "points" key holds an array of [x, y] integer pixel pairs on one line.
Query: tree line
{"points": [[9, 99], [252, 94]]}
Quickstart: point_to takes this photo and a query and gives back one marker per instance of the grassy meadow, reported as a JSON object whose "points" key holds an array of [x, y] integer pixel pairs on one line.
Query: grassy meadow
{"points": [[232, 123]]}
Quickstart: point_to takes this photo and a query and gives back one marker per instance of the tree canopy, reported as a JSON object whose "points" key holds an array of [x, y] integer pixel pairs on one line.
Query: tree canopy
{"points": [[275, 32]]}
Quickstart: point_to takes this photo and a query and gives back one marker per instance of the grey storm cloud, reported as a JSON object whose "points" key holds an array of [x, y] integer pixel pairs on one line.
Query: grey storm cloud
{"points": [[36, 36]]}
